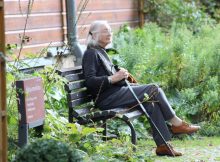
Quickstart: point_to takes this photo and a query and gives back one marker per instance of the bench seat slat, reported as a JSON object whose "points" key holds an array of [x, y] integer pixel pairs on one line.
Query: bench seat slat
{"points": [[106, 114], [132, 115], [85, 113], [120, 110], [95, 116]]}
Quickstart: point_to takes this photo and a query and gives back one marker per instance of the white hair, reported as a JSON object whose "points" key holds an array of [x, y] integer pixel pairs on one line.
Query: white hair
{"points": [[92, 40]]}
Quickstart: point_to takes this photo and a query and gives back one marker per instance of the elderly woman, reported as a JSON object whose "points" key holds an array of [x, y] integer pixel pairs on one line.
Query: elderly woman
{"points": [[108, 88]]}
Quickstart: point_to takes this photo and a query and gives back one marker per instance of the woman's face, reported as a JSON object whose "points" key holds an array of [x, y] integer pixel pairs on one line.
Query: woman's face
{"points": [[105, 35]]}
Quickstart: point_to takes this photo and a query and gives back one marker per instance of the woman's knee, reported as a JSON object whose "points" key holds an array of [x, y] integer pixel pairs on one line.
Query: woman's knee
{"points": [[154, 87]]}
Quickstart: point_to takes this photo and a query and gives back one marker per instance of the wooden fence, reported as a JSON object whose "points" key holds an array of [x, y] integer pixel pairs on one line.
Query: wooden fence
{"points": [[46, 23]]}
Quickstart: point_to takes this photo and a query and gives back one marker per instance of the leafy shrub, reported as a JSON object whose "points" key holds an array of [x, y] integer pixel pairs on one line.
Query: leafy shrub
{"points": [[165, 12], [185, 64], [48, 150], [212, 8], [55, 95], [210, 129], [58, 127]]}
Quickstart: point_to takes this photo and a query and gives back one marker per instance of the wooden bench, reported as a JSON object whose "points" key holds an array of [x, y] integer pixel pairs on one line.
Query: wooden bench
{"points": [[82, 110]]}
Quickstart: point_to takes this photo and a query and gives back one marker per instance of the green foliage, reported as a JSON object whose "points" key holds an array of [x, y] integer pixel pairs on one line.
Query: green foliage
{"points": [[212, 7], [55, 94], [51, 151], [10, 48], [57, 126], [119, 128], [165, 12], [210, 129], [89, 139], [120, 150], [12, 148], [185, 64]]}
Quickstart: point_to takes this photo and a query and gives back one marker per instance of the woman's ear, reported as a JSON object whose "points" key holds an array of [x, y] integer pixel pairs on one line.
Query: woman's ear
{"points": [[95, 36]]}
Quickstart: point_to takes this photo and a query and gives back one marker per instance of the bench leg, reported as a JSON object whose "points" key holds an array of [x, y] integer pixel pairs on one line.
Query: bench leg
{"points": [[105, 130], [133, 133]]}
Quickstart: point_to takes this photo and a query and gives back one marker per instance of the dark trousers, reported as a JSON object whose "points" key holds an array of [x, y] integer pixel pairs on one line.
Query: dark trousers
{"points": [[157, 106]]}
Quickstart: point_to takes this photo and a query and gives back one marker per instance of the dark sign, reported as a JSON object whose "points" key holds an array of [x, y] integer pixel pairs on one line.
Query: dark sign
{"points": [[30, 100]]}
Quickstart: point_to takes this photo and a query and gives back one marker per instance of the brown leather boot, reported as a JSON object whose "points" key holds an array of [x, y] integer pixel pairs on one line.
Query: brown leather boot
{"points": [[162, 150], [184, 128]]}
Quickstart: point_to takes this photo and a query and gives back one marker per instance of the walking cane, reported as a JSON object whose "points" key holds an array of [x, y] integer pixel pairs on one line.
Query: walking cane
{"points": [[148, 117]]}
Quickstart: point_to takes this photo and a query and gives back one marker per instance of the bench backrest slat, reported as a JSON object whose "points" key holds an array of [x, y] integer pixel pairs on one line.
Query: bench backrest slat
{"points": [[80, 112], [76, 95], [78, 102], [74, 85], [133, 115], [74, 77], [74, 70]]}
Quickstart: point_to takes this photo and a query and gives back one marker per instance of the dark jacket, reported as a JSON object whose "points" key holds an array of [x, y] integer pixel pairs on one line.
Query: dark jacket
{"points": [[96, 74]]}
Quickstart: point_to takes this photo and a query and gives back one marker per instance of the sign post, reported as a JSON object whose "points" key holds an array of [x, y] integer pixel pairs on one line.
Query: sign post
{"points": [[3, 115], [30, 106]]}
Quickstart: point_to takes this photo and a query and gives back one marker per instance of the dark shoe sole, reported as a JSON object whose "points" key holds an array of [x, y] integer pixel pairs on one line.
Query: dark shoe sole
{"points": [[167, 155], [184, 133]]}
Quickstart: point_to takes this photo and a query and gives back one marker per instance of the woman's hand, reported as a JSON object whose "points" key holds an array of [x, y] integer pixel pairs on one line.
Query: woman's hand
{"points": [[119, 75]]}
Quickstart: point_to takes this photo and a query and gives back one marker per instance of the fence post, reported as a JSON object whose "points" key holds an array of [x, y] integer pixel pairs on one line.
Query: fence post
{"points": [[3, 116], [141, 13]]}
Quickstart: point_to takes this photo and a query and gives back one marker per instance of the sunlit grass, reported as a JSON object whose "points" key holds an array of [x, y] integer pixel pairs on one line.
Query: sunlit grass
{"points": [[201, 149]]}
